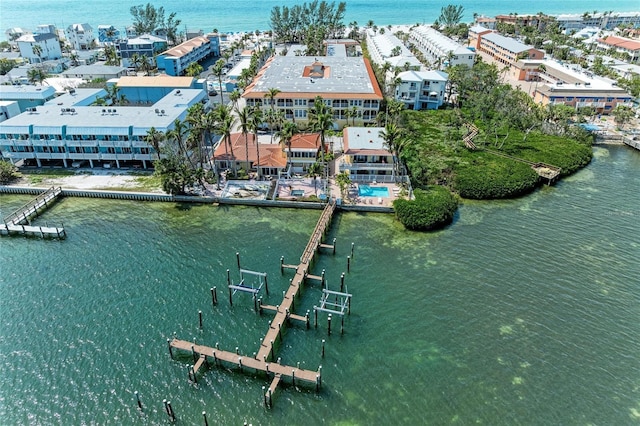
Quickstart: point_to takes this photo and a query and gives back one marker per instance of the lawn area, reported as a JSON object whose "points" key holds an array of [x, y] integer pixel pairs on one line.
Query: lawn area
{"points": [[37, 176]]}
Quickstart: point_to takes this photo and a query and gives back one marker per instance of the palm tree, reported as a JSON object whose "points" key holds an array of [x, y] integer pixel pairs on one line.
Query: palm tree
{"points": [[271, 95], [288, 131], [155, 138], [217, 70], [179, 134], [255, 122], [37, 50], [321, 120], [390, 135], [37, 75], [225, 121], [234, 97], [244, 118]]}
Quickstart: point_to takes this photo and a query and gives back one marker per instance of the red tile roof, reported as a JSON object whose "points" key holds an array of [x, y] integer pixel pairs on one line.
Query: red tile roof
{"points": [[624, 43]]}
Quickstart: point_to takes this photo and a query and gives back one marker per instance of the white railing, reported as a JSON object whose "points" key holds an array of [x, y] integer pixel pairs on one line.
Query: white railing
{"points": [[365, 166]]}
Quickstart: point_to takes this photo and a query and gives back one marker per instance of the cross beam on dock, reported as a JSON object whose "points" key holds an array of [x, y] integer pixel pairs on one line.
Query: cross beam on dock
{"points": [[204, 354]]}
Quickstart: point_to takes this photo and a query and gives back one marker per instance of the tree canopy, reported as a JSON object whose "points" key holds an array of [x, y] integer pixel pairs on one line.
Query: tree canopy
{"points": [[149, 19], [308, 23], [450, 15]]}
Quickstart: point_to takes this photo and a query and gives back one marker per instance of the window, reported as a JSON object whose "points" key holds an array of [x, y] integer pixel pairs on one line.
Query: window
{"points": [[300, 113], [300, 102]]}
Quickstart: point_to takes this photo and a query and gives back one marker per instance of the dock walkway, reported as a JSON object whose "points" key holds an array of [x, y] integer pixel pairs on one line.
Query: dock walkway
{"points": [[283, 312], [18, 222]]}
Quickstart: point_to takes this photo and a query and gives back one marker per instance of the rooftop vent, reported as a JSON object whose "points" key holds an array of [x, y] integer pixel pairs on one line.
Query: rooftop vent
{"points": [[177, 92], [162, 112], [157, 111]]}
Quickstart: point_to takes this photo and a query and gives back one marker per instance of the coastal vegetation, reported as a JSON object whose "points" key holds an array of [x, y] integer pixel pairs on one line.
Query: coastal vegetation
{"points": [[512, 130], [309, 23], [8, 172], [431, 208], [149, 19]]}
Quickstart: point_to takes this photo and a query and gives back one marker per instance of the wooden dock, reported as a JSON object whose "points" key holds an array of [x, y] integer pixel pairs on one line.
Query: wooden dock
{"points": [[264, 359], [19, 222]]}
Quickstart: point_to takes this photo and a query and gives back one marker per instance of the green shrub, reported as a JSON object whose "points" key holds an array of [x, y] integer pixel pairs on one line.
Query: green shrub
{"points": [[497, 178], [8, 172], [431, 209]]}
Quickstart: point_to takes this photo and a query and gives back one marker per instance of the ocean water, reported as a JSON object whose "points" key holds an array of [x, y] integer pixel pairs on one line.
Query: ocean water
{"points": [[523, 311], [246, 15]]}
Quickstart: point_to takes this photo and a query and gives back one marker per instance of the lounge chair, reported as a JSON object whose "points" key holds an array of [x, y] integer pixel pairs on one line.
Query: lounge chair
{"points": [[379, 200]]}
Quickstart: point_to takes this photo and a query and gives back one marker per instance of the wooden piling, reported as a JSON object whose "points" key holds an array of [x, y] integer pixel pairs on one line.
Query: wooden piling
{"points": [[204, 415], [348, 263], [315, 314], [238, 259], [173, 414], [323, 348], [138, 399], [228, 277], [334, 246], [170, 350], [213, 296], [230, 296], [329, 324], [352, 244], [323, 280], [281, 264], [266, 285], [200, 318], [342, 282]]}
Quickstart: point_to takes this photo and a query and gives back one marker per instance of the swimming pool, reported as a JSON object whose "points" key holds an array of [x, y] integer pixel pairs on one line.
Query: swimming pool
{"points": [[373, 191]]}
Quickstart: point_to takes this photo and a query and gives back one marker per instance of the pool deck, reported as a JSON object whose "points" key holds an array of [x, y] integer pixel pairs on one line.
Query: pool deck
{"points": [[293, 188]]}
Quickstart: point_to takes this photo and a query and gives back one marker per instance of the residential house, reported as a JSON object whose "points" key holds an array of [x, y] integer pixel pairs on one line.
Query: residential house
{"points": [[69, 130], [15, 33], [626, 46], [304, 151], [108, 34], [439, 49], [233, 154], [176, 60], [80, 36], [47, 44], [46, 29], [95, 71], [365, 158], [146, 45], [347, 85], [420, 90]]}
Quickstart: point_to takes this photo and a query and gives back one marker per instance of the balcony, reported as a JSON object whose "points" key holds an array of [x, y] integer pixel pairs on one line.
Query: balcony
{"points": [[345, 165], [18, 155]]}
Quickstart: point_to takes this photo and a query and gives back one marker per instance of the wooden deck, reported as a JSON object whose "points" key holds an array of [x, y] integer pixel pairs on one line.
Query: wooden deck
{"points": [[264, 358], [18, 222]]}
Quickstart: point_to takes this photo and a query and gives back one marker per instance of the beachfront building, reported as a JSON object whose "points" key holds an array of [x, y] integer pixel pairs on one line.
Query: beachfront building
{"points": [[146, 45], [147, 90], [71, 131], [420, 90], [305, 150], [37, 48], [80, 36], [440, 50], [505, 50], [628, 47], [566, 84], [175, 61], [347, 85], [108, 34], [27, 96], [365, 158], [15, 33], [604, 20], [387, 48], [46, 29]]}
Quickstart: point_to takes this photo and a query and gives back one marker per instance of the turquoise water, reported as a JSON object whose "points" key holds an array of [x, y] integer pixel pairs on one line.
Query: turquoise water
{"points": [[373, 191], [246, 15], [521, 312]]}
